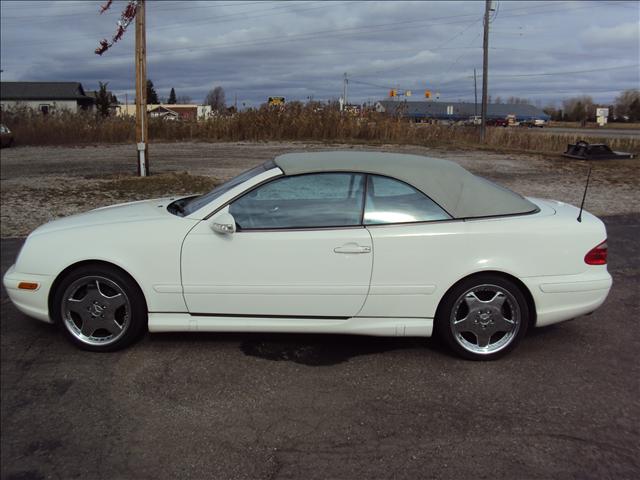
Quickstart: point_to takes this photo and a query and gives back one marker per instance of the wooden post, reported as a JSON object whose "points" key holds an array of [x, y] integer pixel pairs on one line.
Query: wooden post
{"points": [[485, 71], [142, 129]]}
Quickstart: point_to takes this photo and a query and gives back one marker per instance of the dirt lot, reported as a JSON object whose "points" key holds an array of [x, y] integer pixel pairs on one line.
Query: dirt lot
{"points": [[39, 184]]}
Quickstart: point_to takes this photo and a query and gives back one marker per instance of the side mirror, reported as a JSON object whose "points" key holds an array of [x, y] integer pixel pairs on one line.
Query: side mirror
{"points": [[223, 223]]}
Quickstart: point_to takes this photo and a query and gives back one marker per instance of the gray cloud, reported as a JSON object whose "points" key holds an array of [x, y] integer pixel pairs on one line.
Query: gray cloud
{"points": [[301, 49]]}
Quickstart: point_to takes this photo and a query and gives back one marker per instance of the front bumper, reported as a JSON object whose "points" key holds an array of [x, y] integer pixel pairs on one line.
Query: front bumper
{"points": [[565, 297], [34, 303]]}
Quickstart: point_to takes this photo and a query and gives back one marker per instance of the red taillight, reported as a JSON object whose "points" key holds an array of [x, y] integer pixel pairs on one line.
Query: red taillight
{"points": [[597, 255]]}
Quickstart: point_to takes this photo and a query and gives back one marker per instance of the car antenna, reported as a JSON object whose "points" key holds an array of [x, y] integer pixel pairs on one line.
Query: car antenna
{"points": [[584, 195]]}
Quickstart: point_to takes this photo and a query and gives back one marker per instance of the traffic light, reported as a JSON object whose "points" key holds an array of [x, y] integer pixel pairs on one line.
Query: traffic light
{"points": [[393, 93], [427, 93]]}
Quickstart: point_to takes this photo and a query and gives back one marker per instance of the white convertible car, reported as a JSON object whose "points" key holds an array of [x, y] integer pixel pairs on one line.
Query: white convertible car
{"points": [[340, 242]]}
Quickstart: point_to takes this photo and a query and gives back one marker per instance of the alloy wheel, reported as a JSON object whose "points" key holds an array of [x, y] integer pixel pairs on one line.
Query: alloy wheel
{"points": [[485, 319], [96, 310]]}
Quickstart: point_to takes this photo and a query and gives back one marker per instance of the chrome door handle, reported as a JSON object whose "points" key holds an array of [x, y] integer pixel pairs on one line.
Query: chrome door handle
{"points": [[352, 248]]}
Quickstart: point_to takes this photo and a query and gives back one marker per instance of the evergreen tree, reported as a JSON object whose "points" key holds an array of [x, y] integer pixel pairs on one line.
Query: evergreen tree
{"points": [[152, 95], [103, 100], [172, 97]]}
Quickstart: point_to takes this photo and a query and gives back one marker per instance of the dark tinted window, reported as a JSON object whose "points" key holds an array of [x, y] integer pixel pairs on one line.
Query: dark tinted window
{"points": [[305, 201], [392, 201]]}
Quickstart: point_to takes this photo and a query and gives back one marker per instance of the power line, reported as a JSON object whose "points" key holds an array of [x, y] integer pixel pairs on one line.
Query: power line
{"points": [[619, 67], [441, 46], [214, 20], [281, 9], [365, 30], [464, 93], [455, 62], [312, 34], [95, 7]]}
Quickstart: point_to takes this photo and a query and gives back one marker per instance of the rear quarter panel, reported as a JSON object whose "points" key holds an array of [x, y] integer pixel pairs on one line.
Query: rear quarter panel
{"points": [[415, 265]]}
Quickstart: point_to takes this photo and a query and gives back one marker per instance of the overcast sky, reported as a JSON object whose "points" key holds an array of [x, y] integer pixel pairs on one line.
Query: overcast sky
{"points": [[545, 51]]}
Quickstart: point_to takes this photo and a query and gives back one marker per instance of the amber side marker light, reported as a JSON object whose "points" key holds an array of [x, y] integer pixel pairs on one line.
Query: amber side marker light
{"points": [[27, 286], [597, 255]]}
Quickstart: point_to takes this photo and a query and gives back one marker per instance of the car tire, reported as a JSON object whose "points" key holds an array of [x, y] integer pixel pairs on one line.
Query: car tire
{"points": [[99, 308], [483, 317]]}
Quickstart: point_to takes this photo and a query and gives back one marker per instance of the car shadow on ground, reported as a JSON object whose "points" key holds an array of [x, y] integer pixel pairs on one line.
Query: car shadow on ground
{"points": [[307, 349]]}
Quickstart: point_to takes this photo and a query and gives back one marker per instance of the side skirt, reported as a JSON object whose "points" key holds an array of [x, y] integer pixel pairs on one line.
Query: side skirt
{"points": [[384, 327]]}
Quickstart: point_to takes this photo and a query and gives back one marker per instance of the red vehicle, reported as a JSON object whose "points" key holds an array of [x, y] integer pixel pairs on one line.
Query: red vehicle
{"points": [[498, 122]]}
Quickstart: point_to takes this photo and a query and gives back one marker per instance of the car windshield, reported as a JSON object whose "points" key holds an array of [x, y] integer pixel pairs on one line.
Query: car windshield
{"points": [[192, 204]]}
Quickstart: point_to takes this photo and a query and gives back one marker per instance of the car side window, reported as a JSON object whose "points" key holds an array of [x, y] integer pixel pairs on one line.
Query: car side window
{"points": [[303, 201], [393, 201]]}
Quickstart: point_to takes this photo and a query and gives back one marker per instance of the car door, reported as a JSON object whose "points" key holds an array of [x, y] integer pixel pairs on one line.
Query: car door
{"points": [[413, 240], [299, 249]]}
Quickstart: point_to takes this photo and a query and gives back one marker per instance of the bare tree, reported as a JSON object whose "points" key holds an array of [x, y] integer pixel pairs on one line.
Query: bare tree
{"points": [[578, 109], [183, 99], [627, 105], [553, 112], [216, 99], [518, 101]]}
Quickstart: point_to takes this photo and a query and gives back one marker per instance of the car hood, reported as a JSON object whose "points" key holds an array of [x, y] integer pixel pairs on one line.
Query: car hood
{"points": [[121, 213]]}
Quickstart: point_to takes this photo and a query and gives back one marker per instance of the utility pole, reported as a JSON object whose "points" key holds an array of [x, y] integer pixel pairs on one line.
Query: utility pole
{"points": [[141, 91], [485, 70], [345, 88], [475, 93]]}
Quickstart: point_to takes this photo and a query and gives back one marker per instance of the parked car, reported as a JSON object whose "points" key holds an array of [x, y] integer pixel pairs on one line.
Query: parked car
{"points": [[536, 122], [473, 120], [497, 122], [334, 242], [6, 137]]}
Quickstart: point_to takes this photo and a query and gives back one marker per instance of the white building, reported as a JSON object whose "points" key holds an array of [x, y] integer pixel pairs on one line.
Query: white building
{"points": [[46, 97]]}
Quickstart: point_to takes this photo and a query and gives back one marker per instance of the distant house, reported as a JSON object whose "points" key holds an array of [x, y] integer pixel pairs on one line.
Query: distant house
{"points": [[46, 97], [455, 111], [170, 111], [166, 113], [175, 112]]}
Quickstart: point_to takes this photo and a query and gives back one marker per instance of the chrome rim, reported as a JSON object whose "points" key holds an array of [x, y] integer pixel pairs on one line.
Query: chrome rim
{"points": [[96, 310], [485, 319]]}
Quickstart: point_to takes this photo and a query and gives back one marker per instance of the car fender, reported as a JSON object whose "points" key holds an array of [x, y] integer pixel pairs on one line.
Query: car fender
{"points": [[149, 251]]}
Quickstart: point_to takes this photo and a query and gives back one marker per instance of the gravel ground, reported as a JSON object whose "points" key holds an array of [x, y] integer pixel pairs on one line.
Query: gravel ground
{"points": [[39, 184]]}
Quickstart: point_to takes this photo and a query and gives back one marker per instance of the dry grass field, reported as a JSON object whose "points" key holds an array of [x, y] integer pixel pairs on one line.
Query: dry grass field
{"points": [[608, 126], [297, 123], [39, 184]]}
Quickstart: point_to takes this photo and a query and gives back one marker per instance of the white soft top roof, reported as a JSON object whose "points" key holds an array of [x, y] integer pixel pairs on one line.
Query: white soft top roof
{"points": [[459, 192]]}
